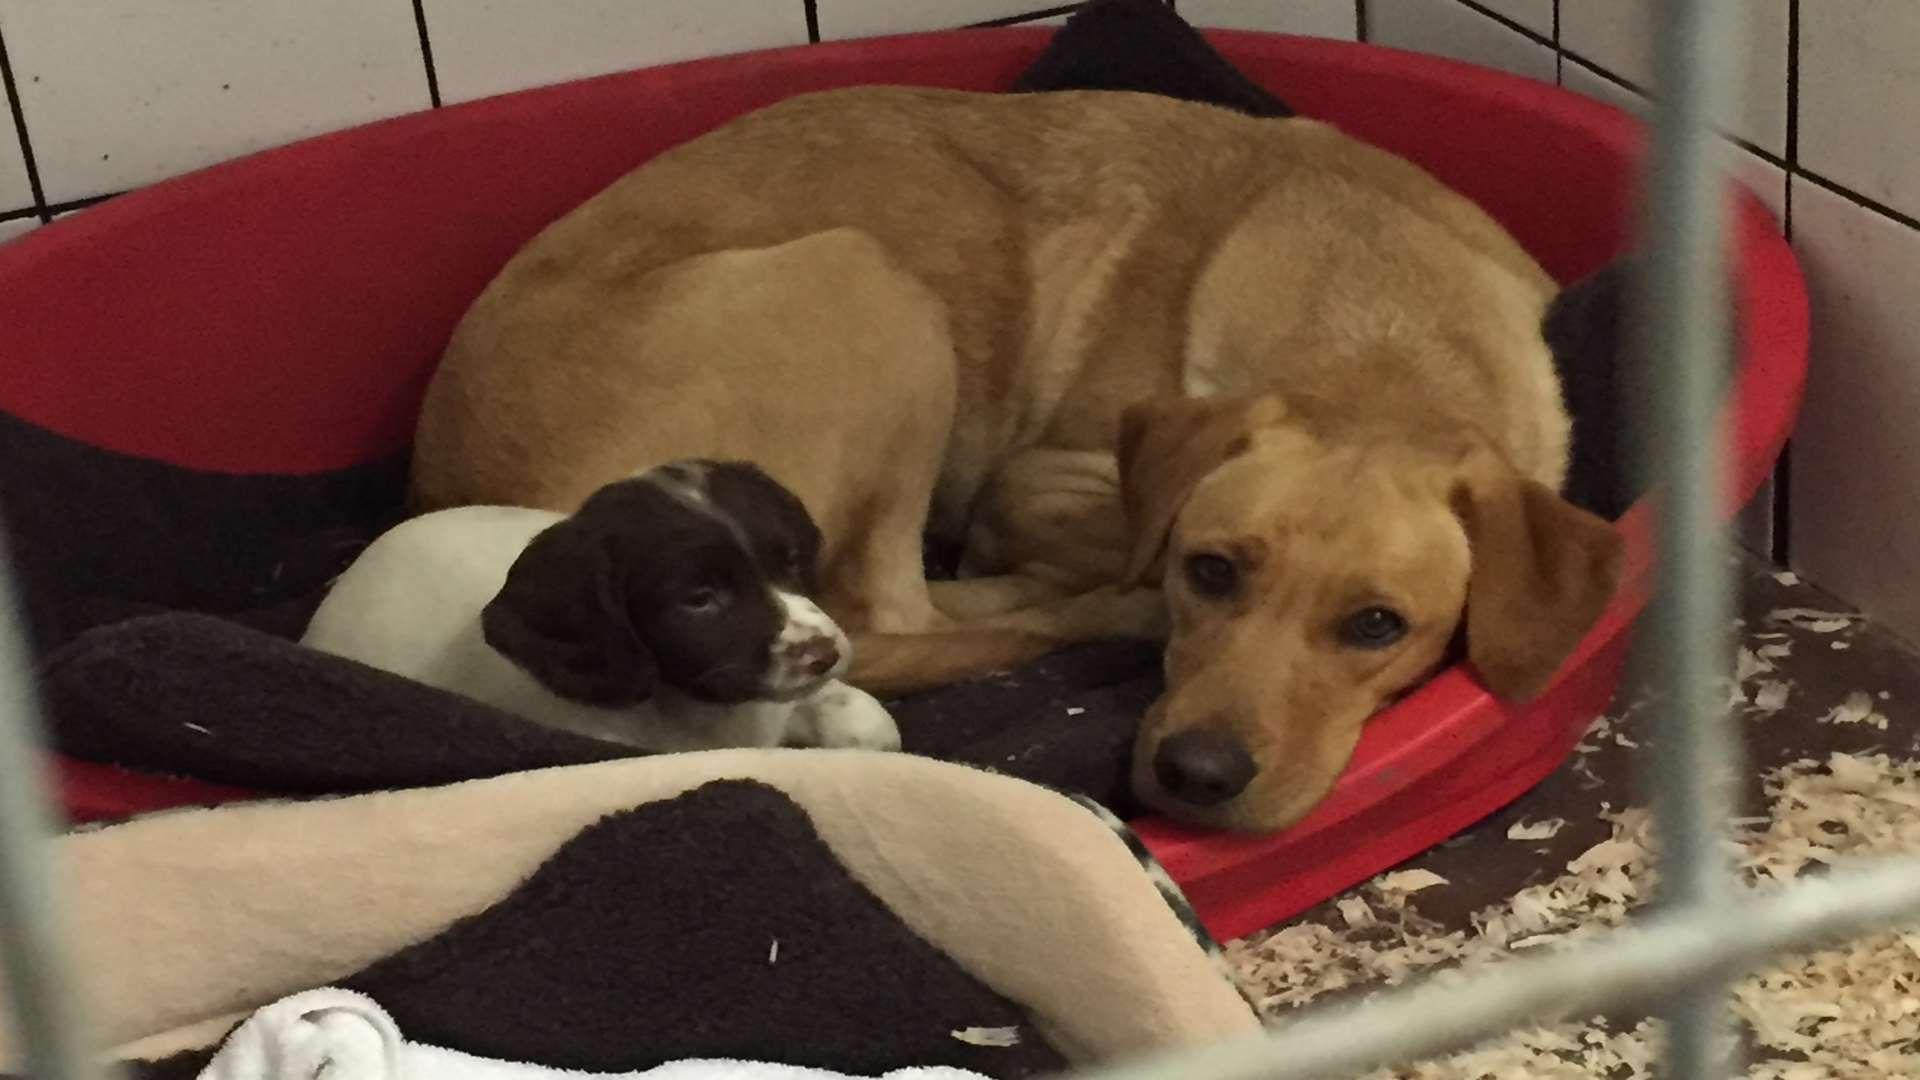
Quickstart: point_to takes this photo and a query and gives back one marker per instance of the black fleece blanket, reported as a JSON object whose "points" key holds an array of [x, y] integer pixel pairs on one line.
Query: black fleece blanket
{"points": [[655, 936]]}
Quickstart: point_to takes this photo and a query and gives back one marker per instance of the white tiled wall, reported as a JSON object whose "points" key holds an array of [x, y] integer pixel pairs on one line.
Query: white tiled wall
{"points": [[1617, 36], [485, 47], [868, 18], [1458, 31], [113, 94], [1315, 18], [1860, 97], [1856, 463], [120, 92]]}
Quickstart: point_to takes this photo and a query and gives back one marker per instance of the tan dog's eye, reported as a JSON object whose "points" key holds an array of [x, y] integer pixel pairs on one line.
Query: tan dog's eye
{"points": [[1373, 628], [1212, 575]]}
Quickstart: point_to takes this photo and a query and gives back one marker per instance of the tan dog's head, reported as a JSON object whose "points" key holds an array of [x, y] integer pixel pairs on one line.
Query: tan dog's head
{"points": [[1312, 581]]}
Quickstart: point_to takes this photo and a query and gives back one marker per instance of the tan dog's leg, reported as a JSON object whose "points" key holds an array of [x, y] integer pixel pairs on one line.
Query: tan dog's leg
{"points": [[1050, 535], [1048, 539], [879, 585], [975, 599]]}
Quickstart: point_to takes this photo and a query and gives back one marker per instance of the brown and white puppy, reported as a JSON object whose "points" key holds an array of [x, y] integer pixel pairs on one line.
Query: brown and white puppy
{"points": [[1112, 341], [669, 612]]}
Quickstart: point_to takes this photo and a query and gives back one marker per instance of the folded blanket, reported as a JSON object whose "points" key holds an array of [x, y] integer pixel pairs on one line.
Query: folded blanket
{"points": [[837, 909], [347, 1036]]}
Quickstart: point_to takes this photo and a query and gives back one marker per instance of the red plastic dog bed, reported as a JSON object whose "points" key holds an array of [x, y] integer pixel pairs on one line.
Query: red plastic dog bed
{"points": [[282, 313]]}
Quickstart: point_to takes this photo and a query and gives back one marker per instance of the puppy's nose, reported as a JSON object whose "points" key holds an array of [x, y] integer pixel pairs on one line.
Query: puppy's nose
{"points": [[1202, 768], [816, 656]]}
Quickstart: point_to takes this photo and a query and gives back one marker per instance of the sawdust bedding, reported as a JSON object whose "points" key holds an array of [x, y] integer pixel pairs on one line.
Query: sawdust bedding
{"points": [[1851, 1011]]}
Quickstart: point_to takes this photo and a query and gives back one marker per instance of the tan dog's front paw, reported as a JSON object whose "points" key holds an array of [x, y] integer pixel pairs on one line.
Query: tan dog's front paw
{"points": [[1111, 612]]}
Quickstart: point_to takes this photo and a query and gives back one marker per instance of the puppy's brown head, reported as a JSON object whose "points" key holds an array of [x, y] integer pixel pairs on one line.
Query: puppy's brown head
{"points": [[1312, 580], [693, 575]]}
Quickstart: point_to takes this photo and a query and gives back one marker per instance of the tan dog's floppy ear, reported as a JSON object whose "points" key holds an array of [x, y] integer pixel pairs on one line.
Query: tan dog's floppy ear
{"points": [[1167, 446], [1543, 572], [559, 618]]}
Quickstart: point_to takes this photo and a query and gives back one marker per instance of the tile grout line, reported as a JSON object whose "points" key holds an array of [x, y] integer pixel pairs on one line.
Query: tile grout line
{"points": [[1559, 58], [1023, 17], [20, 130], [1525, 32], [426, 52], [1781, 518]]}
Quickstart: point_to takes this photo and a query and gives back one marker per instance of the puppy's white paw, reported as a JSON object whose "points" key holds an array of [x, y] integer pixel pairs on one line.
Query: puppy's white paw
{"points": [[841, 717]]}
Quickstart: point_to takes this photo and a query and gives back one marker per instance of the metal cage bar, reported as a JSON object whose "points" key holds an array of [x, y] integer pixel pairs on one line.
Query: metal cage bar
{"points": [[33, 956], [1683, 954]]}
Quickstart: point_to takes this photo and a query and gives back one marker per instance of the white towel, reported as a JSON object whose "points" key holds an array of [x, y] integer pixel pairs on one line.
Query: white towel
{"points": [[347, 1036]]}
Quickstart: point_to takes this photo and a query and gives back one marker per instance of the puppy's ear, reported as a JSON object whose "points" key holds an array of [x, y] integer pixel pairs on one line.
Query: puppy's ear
{"points": [[1543, 572], [561, 619], [1167, 446]]}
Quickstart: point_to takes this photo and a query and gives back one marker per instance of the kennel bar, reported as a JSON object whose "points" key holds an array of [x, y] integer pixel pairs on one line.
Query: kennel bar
{"points": [[1684, 953], [33, 956]]}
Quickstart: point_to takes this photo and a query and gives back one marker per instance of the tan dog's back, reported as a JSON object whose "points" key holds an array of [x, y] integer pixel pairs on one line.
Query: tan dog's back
{"points": [[1063, 234]]}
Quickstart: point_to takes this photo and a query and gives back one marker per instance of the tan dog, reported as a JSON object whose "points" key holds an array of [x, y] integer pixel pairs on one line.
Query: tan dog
{"points": [[1113, 341]]}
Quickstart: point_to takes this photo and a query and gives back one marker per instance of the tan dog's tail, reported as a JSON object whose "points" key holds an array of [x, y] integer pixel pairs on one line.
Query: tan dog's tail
{"points": [[887, 665]]}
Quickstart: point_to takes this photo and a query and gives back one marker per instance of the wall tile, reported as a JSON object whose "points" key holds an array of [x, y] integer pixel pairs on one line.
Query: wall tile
{"points": [[1856, 453], [16, 227], [1860, 97], [1618, 36], [1313, 18], [486, 47], [1449, 28], [119, 93], [871, 18], [1763, 177], [15, 190], [1535, 15]]}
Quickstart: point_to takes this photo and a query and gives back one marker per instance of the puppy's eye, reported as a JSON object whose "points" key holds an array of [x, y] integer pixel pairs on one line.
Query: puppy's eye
{"points": [[1212, 575], [705, 600], [786, 558], [1373, 628]]}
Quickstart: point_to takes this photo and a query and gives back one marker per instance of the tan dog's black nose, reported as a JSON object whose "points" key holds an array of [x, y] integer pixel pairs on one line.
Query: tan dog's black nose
{"points": [[1202, 768]]}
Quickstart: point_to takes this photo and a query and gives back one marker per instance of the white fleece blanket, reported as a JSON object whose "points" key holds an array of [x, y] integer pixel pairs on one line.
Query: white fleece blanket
{"points": [[333, 1034]]}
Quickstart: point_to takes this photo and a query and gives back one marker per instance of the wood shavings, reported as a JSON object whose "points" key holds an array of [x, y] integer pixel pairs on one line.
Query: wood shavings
{"points": [[1846, 1013], [988, 1036], [1748, 663], [1408, 881], [1770, 697], [1856, 709], [1852, 1010], [1538, 830], [1813, 620], [1356, 912], [1598, 728]]}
